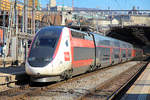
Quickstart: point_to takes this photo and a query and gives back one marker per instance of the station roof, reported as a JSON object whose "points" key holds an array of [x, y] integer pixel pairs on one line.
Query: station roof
{"points": [[136, 35]]}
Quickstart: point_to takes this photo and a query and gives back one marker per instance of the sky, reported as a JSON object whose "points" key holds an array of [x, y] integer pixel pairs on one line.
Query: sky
{"points": [[105, 4]]}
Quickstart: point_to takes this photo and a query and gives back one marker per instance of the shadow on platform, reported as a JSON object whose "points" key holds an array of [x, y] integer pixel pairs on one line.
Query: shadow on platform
{"points": [[136, 97]]}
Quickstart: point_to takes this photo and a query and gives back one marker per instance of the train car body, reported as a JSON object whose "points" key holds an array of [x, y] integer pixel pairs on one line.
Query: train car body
{"points": [[111, 51], [63, 52]]}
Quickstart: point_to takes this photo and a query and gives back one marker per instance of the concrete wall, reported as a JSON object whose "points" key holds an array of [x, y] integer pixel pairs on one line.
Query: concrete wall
{"points": [[140, 20], [106, 22]]}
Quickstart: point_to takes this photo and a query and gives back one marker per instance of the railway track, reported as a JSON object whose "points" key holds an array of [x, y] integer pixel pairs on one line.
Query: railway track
{"points": [[75, 88], [123, 89], [22, 91], [114, 88]]}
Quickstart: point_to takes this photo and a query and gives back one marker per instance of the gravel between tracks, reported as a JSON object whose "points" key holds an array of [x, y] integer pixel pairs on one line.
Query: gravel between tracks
{"points": [[112, 87], [74, 89]]}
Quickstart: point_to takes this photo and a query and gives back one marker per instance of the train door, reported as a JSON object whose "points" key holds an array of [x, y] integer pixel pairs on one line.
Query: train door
{"points": [[116, 55], [105, 56], [123, 54], [129, 53], [117, 51], [101, 56], [111, 61]]}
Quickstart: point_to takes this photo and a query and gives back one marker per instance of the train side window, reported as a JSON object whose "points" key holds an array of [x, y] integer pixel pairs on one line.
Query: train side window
{"points": [[129, 53], [77, 34], [106, 42], [129, 46], [117, 43], [66, 43], [124, 45], [116, 54], [88, 37], [124, 55], [106, 54], [101, 42]]}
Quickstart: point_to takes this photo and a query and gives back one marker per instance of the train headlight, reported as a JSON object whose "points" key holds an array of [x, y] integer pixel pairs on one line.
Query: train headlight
{"points": [[48, 59], [31, 58]]}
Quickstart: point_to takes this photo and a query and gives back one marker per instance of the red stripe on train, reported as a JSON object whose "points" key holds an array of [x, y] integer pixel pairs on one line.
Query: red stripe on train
{"points": [[77, 42], [57, 46], [82, 63], [71, 45]]}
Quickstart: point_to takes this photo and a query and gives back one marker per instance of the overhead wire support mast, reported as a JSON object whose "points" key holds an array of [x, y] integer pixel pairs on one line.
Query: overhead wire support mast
{"points": [[25, 15], [33, 16], [25, 27], [72, 4], [16, 27]]}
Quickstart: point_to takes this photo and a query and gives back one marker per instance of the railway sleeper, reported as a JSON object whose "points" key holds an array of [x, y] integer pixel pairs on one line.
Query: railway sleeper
{"points": [[6, 82]]}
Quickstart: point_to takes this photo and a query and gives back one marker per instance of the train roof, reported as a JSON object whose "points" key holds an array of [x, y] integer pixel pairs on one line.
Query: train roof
{"points": [[58, 27], [45, 31], [96, 34], [109, 38]]}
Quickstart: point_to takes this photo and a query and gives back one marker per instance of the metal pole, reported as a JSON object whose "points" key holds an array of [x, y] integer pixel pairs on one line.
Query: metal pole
{"points": [[25, 26], [16, 17], [25, 16], [22, 23], [16, 27], [63, 6], [0, 5], [72, 5], [33, 16], [49, 3]]}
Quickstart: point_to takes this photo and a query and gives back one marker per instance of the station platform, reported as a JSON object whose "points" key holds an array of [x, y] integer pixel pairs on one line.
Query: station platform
{"points": [[8, 61], [140, 90], [9, 75]]}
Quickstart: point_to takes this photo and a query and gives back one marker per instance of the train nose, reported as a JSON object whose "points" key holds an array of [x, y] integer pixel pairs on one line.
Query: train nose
{"points": [[39, 61], [38, 71]]}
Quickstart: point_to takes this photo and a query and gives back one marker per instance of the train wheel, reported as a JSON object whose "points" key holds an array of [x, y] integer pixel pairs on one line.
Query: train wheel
{"points": [[98, 67], [92, 68], [112, 63]]}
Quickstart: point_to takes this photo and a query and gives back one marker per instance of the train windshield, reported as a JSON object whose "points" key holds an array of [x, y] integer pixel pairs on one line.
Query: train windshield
{"points": [[43, 47]]}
